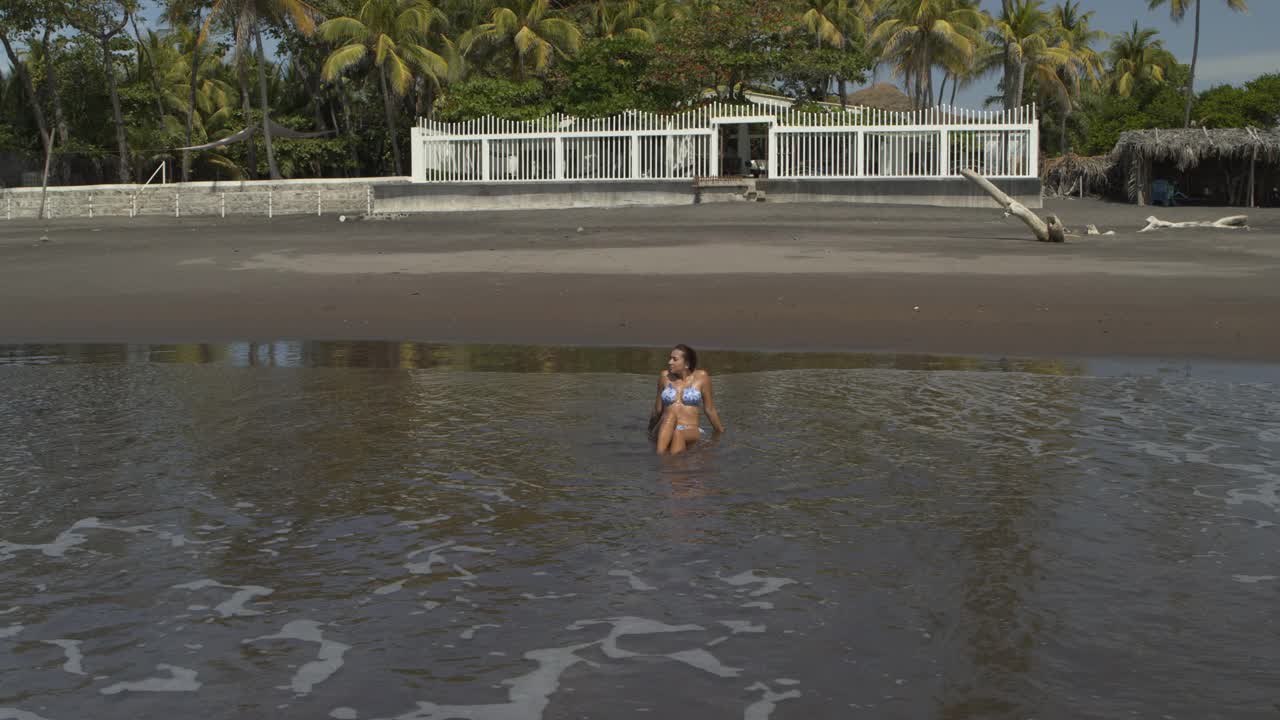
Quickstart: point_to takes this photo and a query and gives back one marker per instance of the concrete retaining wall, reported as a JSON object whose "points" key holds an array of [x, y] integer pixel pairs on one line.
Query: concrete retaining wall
{"points": [[447, 197], [442, 197], [942, 192], [253, 197], [359, 196]]}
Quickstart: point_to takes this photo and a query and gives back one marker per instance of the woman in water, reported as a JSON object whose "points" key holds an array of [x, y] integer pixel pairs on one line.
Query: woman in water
{"points": [[682, 390]]}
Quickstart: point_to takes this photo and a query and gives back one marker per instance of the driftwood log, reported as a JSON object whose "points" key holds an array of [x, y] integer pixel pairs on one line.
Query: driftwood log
{"points": [[1047, 230], [1231, 222]]}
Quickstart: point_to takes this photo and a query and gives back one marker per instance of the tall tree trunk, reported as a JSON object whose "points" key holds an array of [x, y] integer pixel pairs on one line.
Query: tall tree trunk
{"points": [[928, 74], [122, 142], [843, 85], [391, 119], [955, 83], [1008, 80], [262, 98], [1062, 141], [317, 106], [1191, 81], [33, 100], [352, 144], [51, 82], [246, 107], [59, 117], [37, 111], [942, 87], [1022, 78], [191, 99], [44, 180]]}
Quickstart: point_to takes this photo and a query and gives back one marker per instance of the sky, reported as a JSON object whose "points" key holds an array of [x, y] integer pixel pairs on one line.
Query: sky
{"points": [[1234, 47]]}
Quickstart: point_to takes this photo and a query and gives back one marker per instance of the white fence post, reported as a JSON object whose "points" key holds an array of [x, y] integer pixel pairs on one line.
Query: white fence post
{"points": [[714, 152], [318, 206], [271, 199], [559, 158], [635, 157], [772, 161], [223, 204], [860, 155], [944, 152], [1033, 148], [486, 171], [368, 199], [177, 205], [90, 206], [417, 158]]}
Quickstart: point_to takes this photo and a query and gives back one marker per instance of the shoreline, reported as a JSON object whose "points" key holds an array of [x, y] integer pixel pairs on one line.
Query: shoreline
{"points": [[587, 359], [807, 278]]}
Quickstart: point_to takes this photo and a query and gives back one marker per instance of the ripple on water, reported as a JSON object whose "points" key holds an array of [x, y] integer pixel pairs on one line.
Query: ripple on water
{"points": [[420, 544]]}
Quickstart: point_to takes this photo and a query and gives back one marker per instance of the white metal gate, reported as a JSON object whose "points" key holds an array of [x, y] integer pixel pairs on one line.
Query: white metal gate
{"points": [[855, 143]]}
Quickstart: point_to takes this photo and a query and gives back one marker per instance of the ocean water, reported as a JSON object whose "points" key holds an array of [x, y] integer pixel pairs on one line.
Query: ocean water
{"points": [[417, 532]]}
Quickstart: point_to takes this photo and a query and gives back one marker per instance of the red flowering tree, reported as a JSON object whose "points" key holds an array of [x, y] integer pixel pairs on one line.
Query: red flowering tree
{"points": [[727, 45]]}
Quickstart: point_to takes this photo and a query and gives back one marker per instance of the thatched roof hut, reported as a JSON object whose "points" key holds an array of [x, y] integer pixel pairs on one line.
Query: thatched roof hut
{"points": [[1073, 173], [883, 96], [1228, 163]]}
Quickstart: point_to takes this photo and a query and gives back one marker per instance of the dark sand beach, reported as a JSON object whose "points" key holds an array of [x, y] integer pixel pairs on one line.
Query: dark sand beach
{"points": [[745, 276]]}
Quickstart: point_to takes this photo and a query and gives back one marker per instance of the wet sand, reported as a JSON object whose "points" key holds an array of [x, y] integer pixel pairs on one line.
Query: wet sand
{"points": [[741, 276]]}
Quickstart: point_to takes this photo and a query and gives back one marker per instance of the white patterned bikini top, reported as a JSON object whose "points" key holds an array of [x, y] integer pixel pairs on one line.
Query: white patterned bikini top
{"points": [[690, 396]]}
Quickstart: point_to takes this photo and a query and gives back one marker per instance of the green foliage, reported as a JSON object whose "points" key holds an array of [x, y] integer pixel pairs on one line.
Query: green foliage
{"points": [[726, 44], [1262, 100], [510, 99], [1150, 104], [806, 72], [611, 75], [1221, 107]]}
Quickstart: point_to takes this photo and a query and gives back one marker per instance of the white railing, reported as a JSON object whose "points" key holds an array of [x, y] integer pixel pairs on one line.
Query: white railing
{"points": [[163, 172], [856, 143]]}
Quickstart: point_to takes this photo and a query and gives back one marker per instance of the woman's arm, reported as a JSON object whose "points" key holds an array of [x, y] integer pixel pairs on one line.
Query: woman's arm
{"points": [[709, 403], [656, 414]]}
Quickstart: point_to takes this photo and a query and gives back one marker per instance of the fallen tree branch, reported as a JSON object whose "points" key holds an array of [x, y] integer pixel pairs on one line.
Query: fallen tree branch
{"points": [[1051, 231], [1232, 222]]}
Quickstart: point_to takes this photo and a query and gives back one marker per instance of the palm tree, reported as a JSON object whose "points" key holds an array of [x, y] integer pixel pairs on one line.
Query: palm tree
{"points": [[833, 23], [1026, 37], [1178, 10], [177, 13], [962, 69], [917, 33], [614, 18], [1077, 37], [829, 21], [206, 106], [869, 13], [394, 33], [1136, 55], [531, 32], [247, 18]]}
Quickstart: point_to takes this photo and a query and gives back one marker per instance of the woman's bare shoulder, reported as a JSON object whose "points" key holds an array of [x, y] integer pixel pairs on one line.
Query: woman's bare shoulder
{"points": [[700, 373]]}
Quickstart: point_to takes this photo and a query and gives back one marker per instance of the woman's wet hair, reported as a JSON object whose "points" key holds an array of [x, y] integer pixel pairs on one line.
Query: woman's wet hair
{"points": [[690, 356]]}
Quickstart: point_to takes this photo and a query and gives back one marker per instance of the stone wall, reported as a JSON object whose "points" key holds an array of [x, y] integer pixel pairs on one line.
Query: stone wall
{"points": [[258, 197], [446, 197]]}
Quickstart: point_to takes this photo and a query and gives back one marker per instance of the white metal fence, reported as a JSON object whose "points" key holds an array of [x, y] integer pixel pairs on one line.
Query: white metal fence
{"points": [[855, 143]]}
